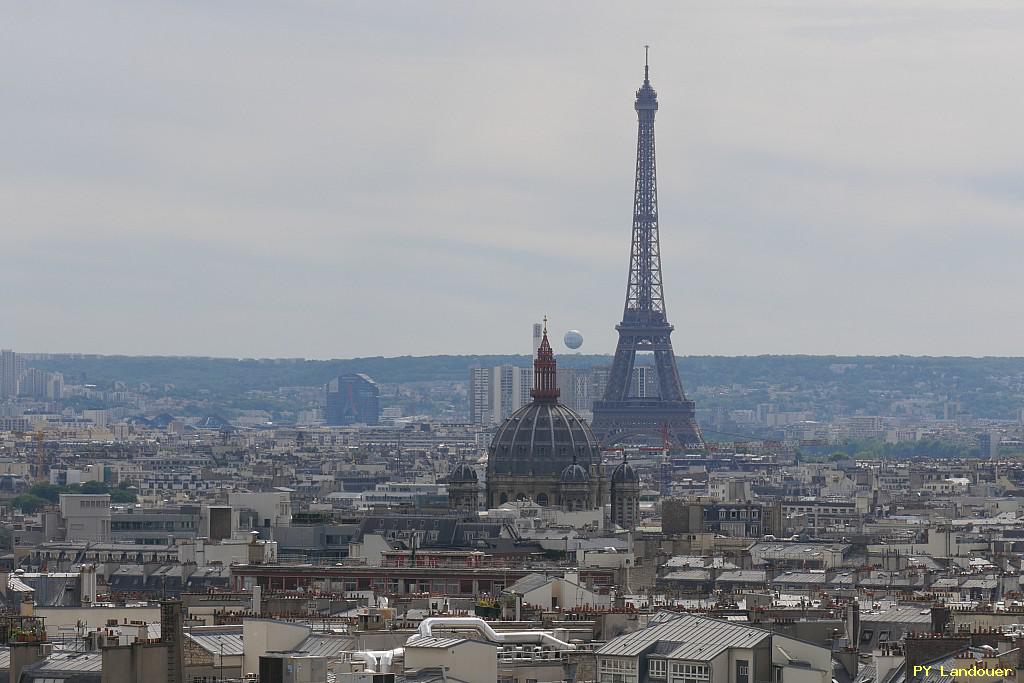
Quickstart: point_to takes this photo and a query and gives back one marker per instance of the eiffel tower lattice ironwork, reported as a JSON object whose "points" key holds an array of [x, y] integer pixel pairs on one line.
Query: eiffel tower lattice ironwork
{"points": [[669, 416]]}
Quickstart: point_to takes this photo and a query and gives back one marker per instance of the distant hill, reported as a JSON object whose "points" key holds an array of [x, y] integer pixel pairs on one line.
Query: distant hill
{"points": [[238, 375], [986, 387]]}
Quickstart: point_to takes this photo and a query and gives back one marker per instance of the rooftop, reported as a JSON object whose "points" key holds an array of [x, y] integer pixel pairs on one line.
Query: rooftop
{"points": [[698, 638]]}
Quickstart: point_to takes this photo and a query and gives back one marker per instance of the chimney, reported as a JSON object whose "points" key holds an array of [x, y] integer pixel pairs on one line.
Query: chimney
{"points": [[257, 599], [171, 633], [850, 661], [853, 624], [940, 618], [24, 654]]}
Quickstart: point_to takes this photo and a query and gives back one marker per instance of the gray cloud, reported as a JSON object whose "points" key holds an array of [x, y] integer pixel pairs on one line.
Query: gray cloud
{"points": [[329, 180]]}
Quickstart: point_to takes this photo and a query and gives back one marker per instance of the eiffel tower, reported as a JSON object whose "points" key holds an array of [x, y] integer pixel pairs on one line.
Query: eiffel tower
{"points": [[669, 416]]}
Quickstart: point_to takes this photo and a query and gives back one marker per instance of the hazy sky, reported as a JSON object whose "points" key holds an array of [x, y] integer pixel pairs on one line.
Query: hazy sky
{"points": [[336, 179]]}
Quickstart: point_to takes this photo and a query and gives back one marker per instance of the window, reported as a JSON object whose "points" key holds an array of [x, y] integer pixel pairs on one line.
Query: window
{"points": [[690, 672], [618, 671], [658, 668], [742, 671]]}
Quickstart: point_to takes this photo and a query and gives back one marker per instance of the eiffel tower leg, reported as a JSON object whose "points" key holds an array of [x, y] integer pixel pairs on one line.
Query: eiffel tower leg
{"points": [[621, 375], [668, 375]]}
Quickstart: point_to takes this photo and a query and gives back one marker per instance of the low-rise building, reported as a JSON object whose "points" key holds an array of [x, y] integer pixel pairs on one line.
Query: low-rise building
{"points": [[685, 648]]}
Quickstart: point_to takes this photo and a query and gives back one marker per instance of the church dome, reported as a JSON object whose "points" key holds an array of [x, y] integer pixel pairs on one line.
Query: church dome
{"points": [[624, 473], [575, 474], [544, 445], [462, 474], [540, 439]]}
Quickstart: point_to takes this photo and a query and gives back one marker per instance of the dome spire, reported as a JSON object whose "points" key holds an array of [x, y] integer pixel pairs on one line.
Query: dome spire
{"points": [[545, 386]]}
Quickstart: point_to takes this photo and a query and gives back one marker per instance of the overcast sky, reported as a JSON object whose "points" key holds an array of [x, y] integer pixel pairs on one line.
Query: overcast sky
{"points": [[337, 179]]}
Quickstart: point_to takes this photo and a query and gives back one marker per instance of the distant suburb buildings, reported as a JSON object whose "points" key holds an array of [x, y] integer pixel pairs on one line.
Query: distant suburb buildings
{"points": [[352, 398]]}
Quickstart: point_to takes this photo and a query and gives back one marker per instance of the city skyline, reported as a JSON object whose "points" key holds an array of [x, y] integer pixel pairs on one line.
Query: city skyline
{"points": [[331, 182]]}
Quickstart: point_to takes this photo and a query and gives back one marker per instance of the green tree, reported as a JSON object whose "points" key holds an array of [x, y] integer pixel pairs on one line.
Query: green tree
{"points": [[28, 502], [122, 495], [94, 487], [49, 492]]}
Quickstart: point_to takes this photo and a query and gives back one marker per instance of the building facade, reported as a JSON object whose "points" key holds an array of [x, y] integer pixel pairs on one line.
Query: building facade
{"points": [[352, 398], [85, 517], [497, 392], [10, 372]]}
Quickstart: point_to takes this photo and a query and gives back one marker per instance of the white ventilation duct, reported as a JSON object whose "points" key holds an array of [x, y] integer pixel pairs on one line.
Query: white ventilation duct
{"points": [[485, 630], [378, 661]]}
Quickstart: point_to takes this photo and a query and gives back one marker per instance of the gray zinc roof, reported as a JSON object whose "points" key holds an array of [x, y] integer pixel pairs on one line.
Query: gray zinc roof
{"points": [[324, 645], [742, 576], [70, 662], [697, 652], [528, 583], [690, 632], [795, 551], [212, 642], [800, 577], [899, 615], [688, 575], [440, 643]]}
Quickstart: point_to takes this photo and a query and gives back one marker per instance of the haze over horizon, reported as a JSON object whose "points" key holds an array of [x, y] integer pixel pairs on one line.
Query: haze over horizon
{"points": [[320, 181]]}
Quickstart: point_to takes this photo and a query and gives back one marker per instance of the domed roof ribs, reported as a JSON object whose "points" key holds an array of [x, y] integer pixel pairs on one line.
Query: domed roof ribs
{"points": [[515, 433], [572, 435], [624, 472], [568, 429], [551, 432], [533, 432]]}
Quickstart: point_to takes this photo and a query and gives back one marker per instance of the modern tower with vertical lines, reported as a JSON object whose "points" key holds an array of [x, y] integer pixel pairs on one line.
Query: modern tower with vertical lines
{"points": [[622, 415]]}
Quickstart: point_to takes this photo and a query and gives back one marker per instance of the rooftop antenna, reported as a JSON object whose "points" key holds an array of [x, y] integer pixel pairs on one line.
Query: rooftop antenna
{"points": [[647, 49]]}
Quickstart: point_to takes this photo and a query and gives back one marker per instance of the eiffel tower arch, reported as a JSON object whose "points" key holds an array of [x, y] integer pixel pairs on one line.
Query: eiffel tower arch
{"points": [[619, 415]]}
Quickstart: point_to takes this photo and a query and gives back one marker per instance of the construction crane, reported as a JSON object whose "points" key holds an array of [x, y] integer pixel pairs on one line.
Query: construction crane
{"points": [[40, 456]]}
